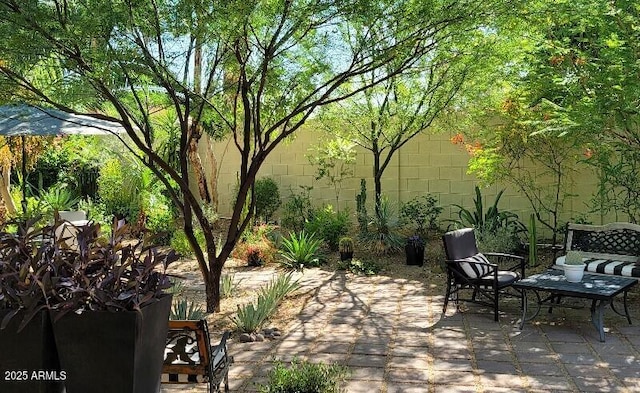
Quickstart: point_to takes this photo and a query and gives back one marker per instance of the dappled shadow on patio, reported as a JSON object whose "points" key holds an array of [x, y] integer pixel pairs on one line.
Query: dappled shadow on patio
{"points": [[392, 335]]}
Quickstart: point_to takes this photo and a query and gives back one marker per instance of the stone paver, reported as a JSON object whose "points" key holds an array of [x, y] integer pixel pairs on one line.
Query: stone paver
{"points": [[392, 336]]}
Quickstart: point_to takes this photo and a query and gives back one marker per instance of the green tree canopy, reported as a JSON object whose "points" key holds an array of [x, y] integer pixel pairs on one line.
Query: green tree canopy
{"points": [[267, 66]]}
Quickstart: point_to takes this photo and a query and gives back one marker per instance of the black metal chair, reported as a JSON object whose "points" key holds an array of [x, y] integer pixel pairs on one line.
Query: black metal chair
{"points": [[468, 269]]}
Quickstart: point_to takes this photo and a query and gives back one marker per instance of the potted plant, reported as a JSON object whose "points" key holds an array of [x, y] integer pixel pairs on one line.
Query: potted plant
{"points": [[110, 311], [26, 335], [345, 246], [574, 266], [414, 250]]}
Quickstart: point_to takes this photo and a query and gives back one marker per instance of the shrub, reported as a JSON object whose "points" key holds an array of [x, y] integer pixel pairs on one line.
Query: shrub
{"points": [[360, 267], [297, 210], [422, 213], [500, 240], [257, 253], [250, 317], [255, 247], [96, 212], [159, 217], [267, 198], [305, 377], [329, 225], [180, 243], [117, 193], [300, 251]]}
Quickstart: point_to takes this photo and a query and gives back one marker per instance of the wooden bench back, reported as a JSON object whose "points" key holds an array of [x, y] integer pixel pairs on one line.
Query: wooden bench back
{"points": [[618, 241], [187, 349]]}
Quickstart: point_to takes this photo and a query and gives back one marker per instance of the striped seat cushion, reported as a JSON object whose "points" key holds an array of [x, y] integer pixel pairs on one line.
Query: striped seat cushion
{"points": [[478, 268], [608, 266], [183, 378]]}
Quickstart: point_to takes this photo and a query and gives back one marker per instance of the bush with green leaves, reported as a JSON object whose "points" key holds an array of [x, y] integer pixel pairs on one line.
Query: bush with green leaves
{"points": [[299, 251], [500, 240], [180, 243], [305, 377], [96, 212], [267, 198], [118, 190], [297, 210], [251, 317], [361, 267], [421, 213], [160, 220], [329, 225]]}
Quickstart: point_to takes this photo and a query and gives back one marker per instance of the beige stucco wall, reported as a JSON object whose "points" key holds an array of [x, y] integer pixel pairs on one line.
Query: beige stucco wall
{"points": [[428, 163]]}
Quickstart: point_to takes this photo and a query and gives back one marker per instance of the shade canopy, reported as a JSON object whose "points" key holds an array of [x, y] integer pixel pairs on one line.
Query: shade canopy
{"points": [[26, 120]]}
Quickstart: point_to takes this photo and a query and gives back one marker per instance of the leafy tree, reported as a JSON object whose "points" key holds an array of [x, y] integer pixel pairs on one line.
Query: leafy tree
{"points": [[568, 95], [267, 67], [385, 118], [334, 160]]}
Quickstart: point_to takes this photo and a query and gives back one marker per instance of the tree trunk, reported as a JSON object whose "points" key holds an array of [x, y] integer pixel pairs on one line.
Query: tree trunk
{"points": [[5, 194], [212, 290], [377, 182], [213, 174], [198, 169]]}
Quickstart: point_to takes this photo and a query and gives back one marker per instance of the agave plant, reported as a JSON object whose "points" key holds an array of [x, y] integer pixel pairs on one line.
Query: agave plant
{"points": [[300, 250], [184, 309]]}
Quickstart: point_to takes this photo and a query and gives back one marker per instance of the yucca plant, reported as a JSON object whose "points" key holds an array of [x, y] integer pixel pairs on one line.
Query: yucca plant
{"points": [[184, 309], [300, 250], [59, 198]]}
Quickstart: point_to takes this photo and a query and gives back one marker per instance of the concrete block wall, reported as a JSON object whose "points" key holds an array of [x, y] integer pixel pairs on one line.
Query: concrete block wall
{"points": [[427, 164]]}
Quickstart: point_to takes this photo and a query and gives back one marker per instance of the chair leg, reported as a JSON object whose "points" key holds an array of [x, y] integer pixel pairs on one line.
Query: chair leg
{"points": [[446, 297], [495, 304]]}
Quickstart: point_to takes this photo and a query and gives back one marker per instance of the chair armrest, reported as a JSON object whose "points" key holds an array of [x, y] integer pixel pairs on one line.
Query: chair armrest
{"points": [[518, 265], [219, 353], [503, 255]]}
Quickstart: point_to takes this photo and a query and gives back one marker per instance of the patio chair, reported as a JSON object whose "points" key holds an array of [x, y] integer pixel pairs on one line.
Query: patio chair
{"points": [[71, 215], [190, 358], [468, 269], [68, 231]]}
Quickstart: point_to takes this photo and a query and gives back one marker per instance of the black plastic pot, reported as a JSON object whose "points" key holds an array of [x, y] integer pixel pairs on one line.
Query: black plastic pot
{"points": [[415, 255], [118, 352], [345, 256], [28, 359]]}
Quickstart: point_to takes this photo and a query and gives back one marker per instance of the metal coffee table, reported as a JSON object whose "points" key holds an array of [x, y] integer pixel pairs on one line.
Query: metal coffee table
{"points": [[600, 289]]}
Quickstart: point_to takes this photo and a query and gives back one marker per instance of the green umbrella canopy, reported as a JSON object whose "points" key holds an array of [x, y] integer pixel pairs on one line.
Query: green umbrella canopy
{"points": [[27, 120]]}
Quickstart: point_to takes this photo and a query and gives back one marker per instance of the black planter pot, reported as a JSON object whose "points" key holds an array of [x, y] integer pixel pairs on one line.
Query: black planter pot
{"points": [[119, 352], [345, 256], [32, 350], [415, 255]]}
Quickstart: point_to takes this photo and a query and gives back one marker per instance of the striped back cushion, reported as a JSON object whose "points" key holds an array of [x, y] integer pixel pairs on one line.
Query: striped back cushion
{"points": [[479, 268]]}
